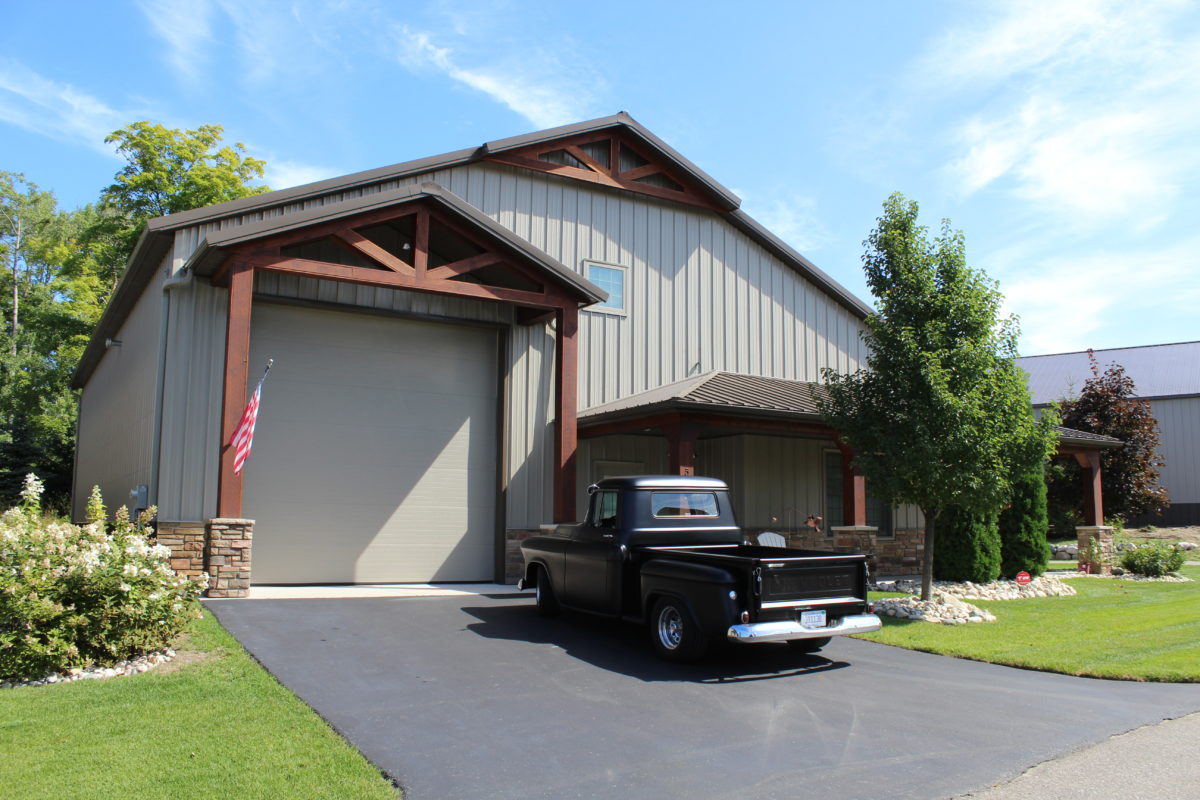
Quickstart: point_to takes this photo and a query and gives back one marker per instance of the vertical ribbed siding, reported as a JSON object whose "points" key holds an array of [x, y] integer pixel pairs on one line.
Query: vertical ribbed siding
{"points": [[701, 296], [116, 410], [191, 422], [649, 452], [1179, 436]]}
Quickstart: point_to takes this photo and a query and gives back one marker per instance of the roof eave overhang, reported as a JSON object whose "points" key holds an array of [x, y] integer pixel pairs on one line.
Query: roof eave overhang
{"points": [[631, 415], [151, 248], [725, 199]]}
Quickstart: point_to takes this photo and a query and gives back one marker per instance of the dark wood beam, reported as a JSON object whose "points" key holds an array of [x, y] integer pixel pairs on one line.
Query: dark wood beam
{"points": [[376, 277], [681, 445], [233, 400], [463, 266], [1093, 491], [366, 247], [566, 387], [421, 244], [854, 489]]}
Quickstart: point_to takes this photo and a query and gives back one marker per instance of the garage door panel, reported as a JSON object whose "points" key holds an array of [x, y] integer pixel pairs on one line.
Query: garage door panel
{"points": [[375, 457]]}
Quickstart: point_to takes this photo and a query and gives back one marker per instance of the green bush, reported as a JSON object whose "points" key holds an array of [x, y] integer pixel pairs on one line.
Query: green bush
{"points": [[966, 548], [73, 596], [1153, 560], [1023, 526]]}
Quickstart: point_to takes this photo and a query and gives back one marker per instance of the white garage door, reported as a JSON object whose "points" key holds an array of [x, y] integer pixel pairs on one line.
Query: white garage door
{"points": [[374, 458]]}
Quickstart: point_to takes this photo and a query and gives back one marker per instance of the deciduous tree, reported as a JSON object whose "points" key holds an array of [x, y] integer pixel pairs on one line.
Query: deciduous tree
{"points": [[940, 416], [1108, 404]]}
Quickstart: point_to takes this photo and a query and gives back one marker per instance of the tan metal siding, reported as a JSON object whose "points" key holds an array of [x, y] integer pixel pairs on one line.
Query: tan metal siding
{"points": [[191, 425], [1179, 434], [650, 452], [116, 409], [702, 296]]}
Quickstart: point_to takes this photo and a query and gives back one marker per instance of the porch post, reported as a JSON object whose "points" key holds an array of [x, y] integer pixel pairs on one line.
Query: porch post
{"points": [[681, 447], [237, 358], [566, 407], [1093, 493], [854, 490]]}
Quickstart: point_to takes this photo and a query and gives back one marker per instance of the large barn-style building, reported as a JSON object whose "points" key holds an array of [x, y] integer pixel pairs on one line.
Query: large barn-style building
{"points": [[461, 344]]}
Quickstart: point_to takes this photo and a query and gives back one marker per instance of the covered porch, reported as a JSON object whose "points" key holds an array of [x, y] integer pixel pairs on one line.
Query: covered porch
{"points": [[787, 470]]}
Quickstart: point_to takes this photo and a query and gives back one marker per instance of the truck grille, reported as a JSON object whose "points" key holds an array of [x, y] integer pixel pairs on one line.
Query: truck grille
{"points": [[802, 583]]}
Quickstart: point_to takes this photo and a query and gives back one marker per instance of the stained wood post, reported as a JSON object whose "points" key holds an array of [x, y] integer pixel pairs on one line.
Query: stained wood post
{"points": [[233, 403], [1093, 492], [681, 446], [566, 388], [854, 490]]}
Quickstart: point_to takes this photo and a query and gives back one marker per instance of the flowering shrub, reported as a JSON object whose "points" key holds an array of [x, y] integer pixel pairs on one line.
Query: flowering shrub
{"points": [[1153, 560], [75, 595]]}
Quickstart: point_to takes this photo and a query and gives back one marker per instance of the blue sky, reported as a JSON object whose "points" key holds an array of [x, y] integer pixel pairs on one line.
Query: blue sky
{"points": [[1063, 138]]}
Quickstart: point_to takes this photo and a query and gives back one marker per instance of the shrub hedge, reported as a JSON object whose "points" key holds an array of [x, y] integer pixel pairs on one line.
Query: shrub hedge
{"points": [[1153, 560], [966, 548], [1023, 527], [73, 596]]}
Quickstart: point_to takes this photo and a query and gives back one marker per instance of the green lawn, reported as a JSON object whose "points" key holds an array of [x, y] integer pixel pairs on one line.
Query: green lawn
{"points": [[1110, 629], [220, 727]]}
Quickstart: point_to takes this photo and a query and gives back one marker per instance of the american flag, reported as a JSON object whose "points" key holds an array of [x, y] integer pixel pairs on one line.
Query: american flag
{"points": [[243, 434]]}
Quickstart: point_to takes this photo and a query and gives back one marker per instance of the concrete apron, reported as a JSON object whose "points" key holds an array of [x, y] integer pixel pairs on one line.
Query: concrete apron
{"points": [[380, 590]]}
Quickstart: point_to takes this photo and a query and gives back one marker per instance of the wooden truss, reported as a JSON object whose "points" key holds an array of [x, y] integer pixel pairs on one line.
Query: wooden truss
{"points": [[412, 257], [609, 158]]}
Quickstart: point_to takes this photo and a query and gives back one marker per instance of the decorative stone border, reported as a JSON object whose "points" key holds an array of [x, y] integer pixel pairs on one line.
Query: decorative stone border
{"points": [[133, 666]]}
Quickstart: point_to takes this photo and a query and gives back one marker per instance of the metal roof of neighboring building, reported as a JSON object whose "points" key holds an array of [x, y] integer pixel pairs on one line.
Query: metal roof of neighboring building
{"points": [[1160, 370]]}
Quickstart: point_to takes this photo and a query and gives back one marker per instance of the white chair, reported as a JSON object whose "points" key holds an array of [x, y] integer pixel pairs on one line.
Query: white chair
{"points": [[770, 539]]}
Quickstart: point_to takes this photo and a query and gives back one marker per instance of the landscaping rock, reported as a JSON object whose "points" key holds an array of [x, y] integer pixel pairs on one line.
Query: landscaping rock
{"points": [[943, 609], [134, 666]]}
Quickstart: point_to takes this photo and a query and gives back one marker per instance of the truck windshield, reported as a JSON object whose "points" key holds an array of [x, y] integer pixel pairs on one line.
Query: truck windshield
{"points": [[683, 504]]}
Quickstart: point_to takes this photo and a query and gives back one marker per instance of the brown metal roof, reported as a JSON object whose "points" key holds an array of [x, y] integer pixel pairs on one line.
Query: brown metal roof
{"points": [[724, 391], [1086, 438]]}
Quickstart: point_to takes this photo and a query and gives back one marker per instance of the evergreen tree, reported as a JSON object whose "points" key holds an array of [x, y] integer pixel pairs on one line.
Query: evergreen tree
{"points": [[1023, 526], [968, 548]]}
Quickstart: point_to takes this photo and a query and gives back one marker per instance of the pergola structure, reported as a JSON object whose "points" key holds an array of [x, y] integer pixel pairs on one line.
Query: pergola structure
{"points": [[721, 403], [419, 239]]}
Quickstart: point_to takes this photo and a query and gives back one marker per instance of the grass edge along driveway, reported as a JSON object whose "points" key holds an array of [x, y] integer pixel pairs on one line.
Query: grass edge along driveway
{"points": [[219, 726], [1129, 630]]}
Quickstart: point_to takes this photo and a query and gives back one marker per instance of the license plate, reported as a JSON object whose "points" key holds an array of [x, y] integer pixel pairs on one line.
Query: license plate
{"points": [[812, 619]]}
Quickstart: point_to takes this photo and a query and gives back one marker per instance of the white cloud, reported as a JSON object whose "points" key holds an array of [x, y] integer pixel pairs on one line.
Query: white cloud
{"points": [[790, 216], [1064, 301], [537, 85], [1087, 108], [185, 28], [58, 110], [283, 174]]}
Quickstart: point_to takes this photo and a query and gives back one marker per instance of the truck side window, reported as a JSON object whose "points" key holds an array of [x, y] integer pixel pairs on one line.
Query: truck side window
{"points": [[604, 513]]}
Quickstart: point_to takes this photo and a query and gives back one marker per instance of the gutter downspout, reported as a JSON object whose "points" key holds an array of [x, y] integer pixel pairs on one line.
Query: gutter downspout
{"points": [[181, 279]]}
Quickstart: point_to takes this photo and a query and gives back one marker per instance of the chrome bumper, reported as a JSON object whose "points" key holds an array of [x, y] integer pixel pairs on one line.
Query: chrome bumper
{"points": [[754, 632]]}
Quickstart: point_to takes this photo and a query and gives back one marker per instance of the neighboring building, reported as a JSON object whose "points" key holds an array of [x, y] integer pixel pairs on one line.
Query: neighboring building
{"points": [[461, 344], [1166, 375]]}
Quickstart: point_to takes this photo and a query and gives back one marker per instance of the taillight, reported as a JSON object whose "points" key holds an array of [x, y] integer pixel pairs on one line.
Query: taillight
{"points": [[870, 608], [745, 616]]}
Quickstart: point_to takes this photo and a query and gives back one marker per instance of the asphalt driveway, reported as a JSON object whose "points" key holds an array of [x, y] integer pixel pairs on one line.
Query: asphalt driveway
{"points": [[478, 697]]}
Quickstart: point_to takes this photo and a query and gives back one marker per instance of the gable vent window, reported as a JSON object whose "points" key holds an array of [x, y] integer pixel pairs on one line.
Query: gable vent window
{"points": [[612, 279]]}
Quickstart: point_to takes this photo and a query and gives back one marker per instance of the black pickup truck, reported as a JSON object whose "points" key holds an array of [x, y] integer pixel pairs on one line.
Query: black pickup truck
{"points": [[667, 550]]}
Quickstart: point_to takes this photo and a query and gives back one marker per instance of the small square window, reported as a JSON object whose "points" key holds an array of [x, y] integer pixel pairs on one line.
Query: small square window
{"points": [[612, 280]]}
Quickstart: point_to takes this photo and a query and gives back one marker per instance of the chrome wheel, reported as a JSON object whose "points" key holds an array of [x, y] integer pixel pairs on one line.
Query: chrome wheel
{"points": [[670, 627]]}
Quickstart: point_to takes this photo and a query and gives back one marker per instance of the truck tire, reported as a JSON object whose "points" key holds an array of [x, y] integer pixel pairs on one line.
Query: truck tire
{"points": [[543, 590], [674, 631], [808, 645]]}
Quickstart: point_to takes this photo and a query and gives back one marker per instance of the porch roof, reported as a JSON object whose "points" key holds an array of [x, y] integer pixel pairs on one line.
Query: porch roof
{"points": [[720, 392], [754, 396]]}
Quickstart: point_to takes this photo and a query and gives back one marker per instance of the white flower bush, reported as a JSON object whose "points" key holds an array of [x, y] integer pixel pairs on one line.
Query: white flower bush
{"points": [[73, 596]]}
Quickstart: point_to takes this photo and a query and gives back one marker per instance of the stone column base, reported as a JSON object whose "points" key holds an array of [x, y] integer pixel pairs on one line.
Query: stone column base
{"points": [[186, 540], [227, 557], [1097, 558]]}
